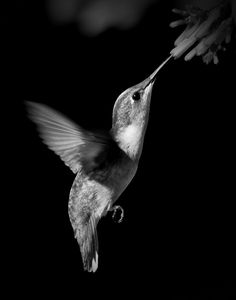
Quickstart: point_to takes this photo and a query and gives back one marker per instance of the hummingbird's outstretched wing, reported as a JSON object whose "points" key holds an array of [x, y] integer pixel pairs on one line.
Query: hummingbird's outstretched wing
{"points": [[77, 147]]}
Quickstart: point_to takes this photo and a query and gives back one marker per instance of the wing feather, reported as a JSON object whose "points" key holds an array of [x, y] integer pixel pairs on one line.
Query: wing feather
{"points": [[72, 143]]}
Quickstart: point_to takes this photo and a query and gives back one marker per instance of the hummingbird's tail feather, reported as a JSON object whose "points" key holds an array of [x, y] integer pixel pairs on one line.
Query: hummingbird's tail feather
{"points": [[89, 245]]}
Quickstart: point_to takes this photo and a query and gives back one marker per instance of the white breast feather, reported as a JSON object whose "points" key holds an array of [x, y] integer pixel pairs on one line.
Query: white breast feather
{"points": [[130, 139]]}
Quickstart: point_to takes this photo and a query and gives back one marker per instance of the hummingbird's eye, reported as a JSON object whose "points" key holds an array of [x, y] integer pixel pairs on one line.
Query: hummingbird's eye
{"points": [[136, 96]]}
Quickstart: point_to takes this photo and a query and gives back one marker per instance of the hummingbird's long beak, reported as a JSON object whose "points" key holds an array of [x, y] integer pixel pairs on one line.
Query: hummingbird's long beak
{"points": [[152, 77]]}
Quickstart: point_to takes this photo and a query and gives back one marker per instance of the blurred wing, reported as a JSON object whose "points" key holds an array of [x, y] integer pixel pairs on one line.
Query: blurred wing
{"points": [[75, 146]]}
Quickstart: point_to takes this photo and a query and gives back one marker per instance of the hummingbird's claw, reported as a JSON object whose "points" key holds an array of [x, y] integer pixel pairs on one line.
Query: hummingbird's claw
{"points": [[114, 209]]}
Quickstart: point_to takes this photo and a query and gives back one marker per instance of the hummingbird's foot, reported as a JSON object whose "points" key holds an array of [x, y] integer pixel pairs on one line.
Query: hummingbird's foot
{"points": [[115, 208]]}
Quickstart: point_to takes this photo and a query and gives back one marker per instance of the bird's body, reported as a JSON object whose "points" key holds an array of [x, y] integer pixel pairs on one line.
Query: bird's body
{"points": [[92, 196], [104, 163]]}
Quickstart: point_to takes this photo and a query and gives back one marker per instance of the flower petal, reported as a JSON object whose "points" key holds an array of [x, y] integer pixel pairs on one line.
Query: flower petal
{"points": [[190, 55], [207, 58], [180, 12], [204, 27], [177, 23], [210, 39], [223, 29], [201, 48], [182, 47], [186, 34], [215, 59]]}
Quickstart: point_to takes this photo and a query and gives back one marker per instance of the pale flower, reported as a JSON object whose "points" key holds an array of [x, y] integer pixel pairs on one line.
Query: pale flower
{"points": [[205, 33]]}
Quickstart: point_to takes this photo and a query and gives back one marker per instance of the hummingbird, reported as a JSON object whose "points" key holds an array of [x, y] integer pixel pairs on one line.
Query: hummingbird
{"points": [[104, 162]]}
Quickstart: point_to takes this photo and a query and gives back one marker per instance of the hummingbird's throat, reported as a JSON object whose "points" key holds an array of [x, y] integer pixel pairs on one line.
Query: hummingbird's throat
{"points": [[130, 139]]}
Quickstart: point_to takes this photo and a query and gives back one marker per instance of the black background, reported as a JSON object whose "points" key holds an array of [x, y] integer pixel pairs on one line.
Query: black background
{"points": [[178, 230]]}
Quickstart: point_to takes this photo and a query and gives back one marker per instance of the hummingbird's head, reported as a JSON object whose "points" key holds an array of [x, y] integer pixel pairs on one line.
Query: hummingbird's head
{"points": [[130, 115]]}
